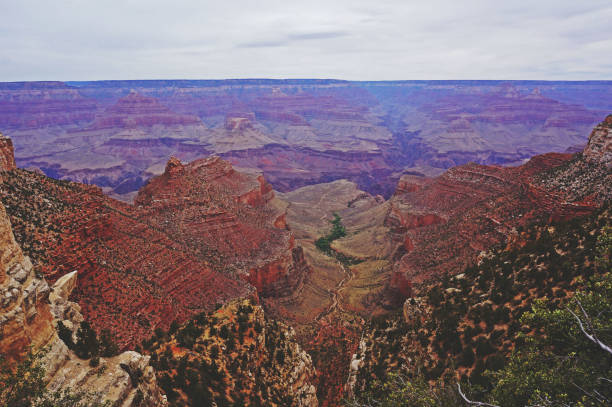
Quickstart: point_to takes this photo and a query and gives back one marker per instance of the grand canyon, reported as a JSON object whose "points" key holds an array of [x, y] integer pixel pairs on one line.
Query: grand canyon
{"points": [[174, 216], [305, 204], [119, 134]]}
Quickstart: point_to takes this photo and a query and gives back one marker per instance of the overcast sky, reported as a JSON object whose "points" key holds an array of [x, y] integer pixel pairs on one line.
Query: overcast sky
{"points": [[353, 39]]}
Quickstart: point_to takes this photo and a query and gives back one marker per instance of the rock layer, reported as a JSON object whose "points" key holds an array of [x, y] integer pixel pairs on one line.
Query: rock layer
{"points": [[441, 224], [25, 317], [298, 132]]}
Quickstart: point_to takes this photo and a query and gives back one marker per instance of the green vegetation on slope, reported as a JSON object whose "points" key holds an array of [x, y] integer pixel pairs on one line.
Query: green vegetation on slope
{"points": [[505, 322], [337, 231], [324, 243], [24, 386], [232, 357]]}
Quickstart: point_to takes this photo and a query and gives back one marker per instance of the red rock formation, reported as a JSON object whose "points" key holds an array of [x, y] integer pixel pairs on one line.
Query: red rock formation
{"points": [[219, 212], [444, 222], [195, 230], [132, 277]]}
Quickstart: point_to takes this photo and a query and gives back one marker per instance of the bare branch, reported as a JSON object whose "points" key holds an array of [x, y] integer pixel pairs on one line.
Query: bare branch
{"points": [[473, 403], [591, 336]]}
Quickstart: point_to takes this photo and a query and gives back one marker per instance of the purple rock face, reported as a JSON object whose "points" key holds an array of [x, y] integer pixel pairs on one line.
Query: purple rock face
{"points": [[298, 132]]}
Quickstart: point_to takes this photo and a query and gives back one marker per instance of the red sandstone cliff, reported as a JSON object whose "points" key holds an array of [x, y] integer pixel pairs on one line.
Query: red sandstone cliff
{"points": [[441, 224], [228, 217], [199, 235]]}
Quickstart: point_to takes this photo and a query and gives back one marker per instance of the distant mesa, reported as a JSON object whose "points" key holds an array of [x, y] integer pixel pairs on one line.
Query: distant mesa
{"points": [[136, 110]]}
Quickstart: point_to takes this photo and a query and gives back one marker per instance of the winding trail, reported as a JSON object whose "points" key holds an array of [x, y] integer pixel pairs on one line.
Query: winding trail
{"points": [[335, 293]]}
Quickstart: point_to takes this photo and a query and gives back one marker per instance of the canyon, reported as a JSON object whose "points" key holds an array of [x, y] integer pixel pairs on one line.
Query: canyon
{"points": [[119, 134], [228, 187]]}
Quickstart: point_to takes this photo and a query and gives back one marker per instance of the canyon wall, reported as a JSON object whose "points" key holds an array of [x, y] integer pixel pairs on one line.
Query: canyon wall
{"points": [[442, 224], [118, 134]]}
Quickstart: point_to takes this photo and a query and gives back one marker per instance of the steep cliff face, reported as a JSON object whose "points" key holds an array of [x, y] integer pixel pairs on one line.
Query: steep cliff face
{"points": [[200, 233], [132, 276], [25, 317], [29, 314], [125, 380], [7, 154]]}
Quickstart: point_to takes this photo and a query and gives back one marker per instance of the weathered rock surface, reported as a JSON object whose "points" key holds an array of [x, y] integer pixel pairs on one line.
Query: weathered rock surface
{"points": [[7, 154], [599, 147], [25, 316], [210, 207], [201, 234], [132, 276], [125, 380]]}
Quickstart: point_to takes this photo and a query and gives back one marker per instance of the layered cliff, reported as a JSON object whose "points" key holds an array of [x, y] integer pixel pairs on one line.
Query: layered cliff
{"points": [[135, 110], [200, 234], [297, 132], [230, 217], [441, 224], [132, 276]]}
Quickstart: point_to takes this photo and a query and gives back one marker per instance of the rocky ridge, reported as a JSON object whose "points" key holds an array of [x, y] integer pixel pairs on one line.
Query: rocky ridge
{"points": [[442, 224], [599, 147], [206, 204]]}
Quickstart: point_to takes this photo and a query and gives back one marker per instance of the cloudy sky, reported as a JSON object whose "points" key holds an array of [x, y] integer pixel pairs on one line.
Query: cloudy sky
{"points": [[352, 39]]}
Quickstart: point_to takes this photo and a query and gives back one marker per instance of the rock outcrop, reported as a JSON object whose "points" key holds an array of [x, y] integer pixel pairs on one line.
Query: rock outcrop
{"points": [[133, 277], [25, 315], [7, 154], [214, 209], [599, 148], [240, 357], [200, 234], [125, 380]]}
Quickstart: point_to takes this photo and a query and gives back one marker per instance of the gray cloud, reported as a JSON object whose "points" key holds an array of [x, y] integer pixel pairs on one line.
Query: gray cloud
{"points": [[346, 39], [291, 38]]}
